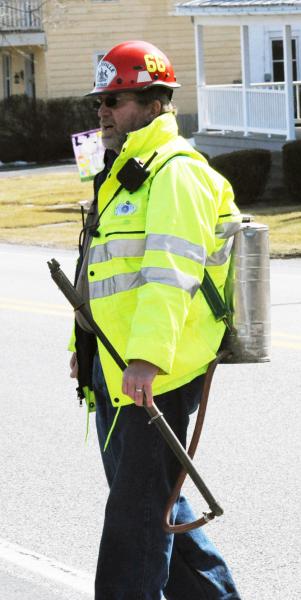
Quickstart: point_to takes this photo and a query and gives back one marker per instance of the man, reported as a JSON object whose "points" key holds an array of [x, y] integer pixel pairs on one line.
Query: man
{"points": [[161, 215]]}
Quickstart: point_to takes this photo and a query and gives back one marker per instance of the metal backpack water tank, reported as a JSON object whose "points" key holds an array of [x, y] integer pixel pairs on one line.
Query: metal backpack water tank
{"points": [[247, 293]]}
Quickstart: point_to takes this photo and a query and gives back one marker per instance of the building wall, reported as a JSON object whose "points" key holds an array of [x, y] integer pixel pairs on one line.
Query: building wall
{"points": [[89, 27], [222, 55], [92, 26], [76, 30]]}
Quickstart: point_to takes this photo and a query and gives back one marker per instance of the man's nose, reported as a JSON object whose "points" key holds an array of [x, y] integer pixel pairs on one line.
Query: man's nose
{"points": [[103, 110]]}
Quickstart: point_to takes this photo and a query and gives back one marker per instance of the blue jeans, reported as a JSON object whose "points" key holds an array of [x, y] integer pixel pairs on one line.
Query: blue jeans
{"points": [[137, 559]]}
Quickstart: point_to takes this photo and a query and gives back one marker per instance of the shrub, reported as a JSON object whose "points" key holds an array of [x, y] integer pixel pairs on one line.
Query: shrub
{"points": [[247, 171], [17, 128], [64, 117], [291, 160], [40, 130]]}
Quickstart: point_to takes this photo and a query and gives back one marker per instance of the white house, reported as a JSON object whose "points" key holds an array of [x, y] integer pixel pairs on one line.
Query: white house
{"points": [[262, 108]]}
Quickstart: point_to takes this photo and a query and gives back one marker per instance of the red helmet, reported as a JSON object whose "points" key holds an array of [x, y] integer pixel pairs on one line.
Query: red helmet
{"points": [[133, 66]]}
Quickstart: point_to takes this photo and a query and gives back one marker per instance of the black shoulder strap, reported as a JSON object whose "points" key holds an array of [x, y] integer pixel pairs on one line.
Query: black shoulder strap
{"points": [[220, 310]]}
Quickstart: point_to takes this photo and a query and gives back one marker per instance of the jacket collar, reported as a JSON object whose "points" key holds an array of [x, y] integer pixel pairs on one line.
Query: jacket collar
{"points": [[160, 131]]}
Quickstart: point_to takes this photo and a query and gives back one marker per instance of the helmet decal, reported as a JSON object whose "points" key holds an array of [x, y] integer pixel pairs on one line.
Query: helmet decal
{"points": [[105, 73], [154, 63], [143, 76]]}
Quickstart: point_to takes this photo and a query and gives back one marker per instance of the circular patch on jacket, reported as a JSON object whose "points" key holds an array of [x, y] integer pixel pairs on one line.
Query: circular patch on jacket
{"points": [[125, 208], [105, 73]]}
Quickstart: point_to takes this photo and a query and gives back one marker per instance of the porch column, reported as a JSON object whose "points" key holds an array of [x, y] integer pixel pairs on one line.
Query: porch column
{"points": [[200, 75], [245, 71], [288, 83]]}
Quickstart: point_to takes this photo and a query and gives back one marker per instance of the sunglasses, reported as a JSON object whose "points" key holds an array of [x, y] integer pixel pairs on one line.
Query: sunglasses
{"points": [[110, 101]]}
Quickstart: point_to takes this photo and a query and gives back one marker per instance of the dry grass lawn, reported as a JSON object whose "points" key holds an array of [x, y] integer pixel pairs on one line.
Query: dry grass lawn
{"points": [[45, 210], [42, 209], [284, 228]]}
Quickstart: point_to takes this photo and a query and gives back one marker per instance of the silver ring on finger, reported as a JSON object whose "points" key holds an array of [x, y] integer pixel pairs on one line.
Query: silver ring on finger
{"points": [[139, 390]]}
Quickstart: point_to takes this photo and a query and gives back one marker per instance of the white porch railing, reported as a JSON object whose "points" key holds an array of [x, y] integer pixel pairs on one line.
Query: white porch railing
{"points": [[224, 107], [279, 85], [20, 15]]}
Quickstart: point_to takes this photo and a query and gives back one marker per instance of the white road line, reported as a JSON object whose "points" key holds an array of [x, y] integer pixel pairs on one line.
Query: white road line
{"points": [[46, 567], [287, 340], [292, 336], [291, 345]]}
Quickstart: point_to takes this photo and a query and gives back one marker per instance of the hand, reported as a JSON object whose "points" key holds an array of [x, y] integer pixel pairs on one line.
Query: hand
{"points": [[137, 381], [73, 366]]}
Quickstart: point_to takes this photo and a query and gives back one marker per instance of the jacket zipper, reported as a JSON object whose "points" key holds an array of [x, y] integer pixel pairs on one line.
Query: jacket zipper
{"points": [[122, 232]]}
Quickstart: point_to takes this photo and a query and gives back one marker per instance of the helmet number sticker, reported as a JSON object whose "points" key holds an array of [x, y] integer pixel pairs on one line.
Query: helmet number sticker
{"points": [[154, 63]]}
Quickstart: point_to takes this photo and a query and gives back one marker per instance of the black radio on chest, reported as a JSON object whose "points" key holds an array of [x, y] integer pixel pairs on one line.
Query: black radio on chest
{"points": [[133, 174]]}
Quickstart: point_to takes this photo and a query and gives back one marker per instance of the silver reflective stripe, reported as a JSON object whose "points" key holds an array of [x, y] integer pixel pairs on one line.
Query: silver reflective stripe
{"points": [[219, 258], [117, 248], [226, 230], [171, 277], [114, 285], [176, 245]]}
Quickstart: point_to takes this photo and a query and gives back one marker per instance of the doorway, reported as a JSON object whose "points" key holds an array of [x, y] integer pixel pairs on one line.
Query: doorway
{"points": [[30, 85]]}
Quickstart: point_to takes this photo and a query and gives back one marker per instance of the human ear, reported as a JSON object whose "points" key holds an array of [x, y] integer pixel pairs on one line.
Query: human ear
{"points": [[155, 108]]}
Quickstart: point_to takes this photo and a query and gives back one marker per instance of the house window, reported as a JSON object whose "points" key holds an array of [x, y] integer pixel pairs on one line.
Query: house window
{"points": [[7, 75], [278, 60]]}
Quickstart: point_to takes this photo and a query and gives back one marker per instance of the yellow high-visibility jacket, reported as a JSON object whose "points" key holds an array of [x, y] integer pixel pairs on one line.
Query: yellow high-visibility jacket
{"points": [[146, 266]]}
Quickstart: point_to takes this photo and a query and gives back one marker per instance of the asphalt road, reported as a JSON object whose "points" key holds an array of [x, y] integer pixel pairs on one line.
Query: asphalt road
{"points": [[33, 169], [52, 487]]}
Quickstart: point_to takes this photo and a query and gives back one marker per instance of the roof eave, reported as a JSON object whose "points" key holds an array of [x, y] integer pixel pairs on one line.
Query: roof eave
{"points": [[198, 11]]}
